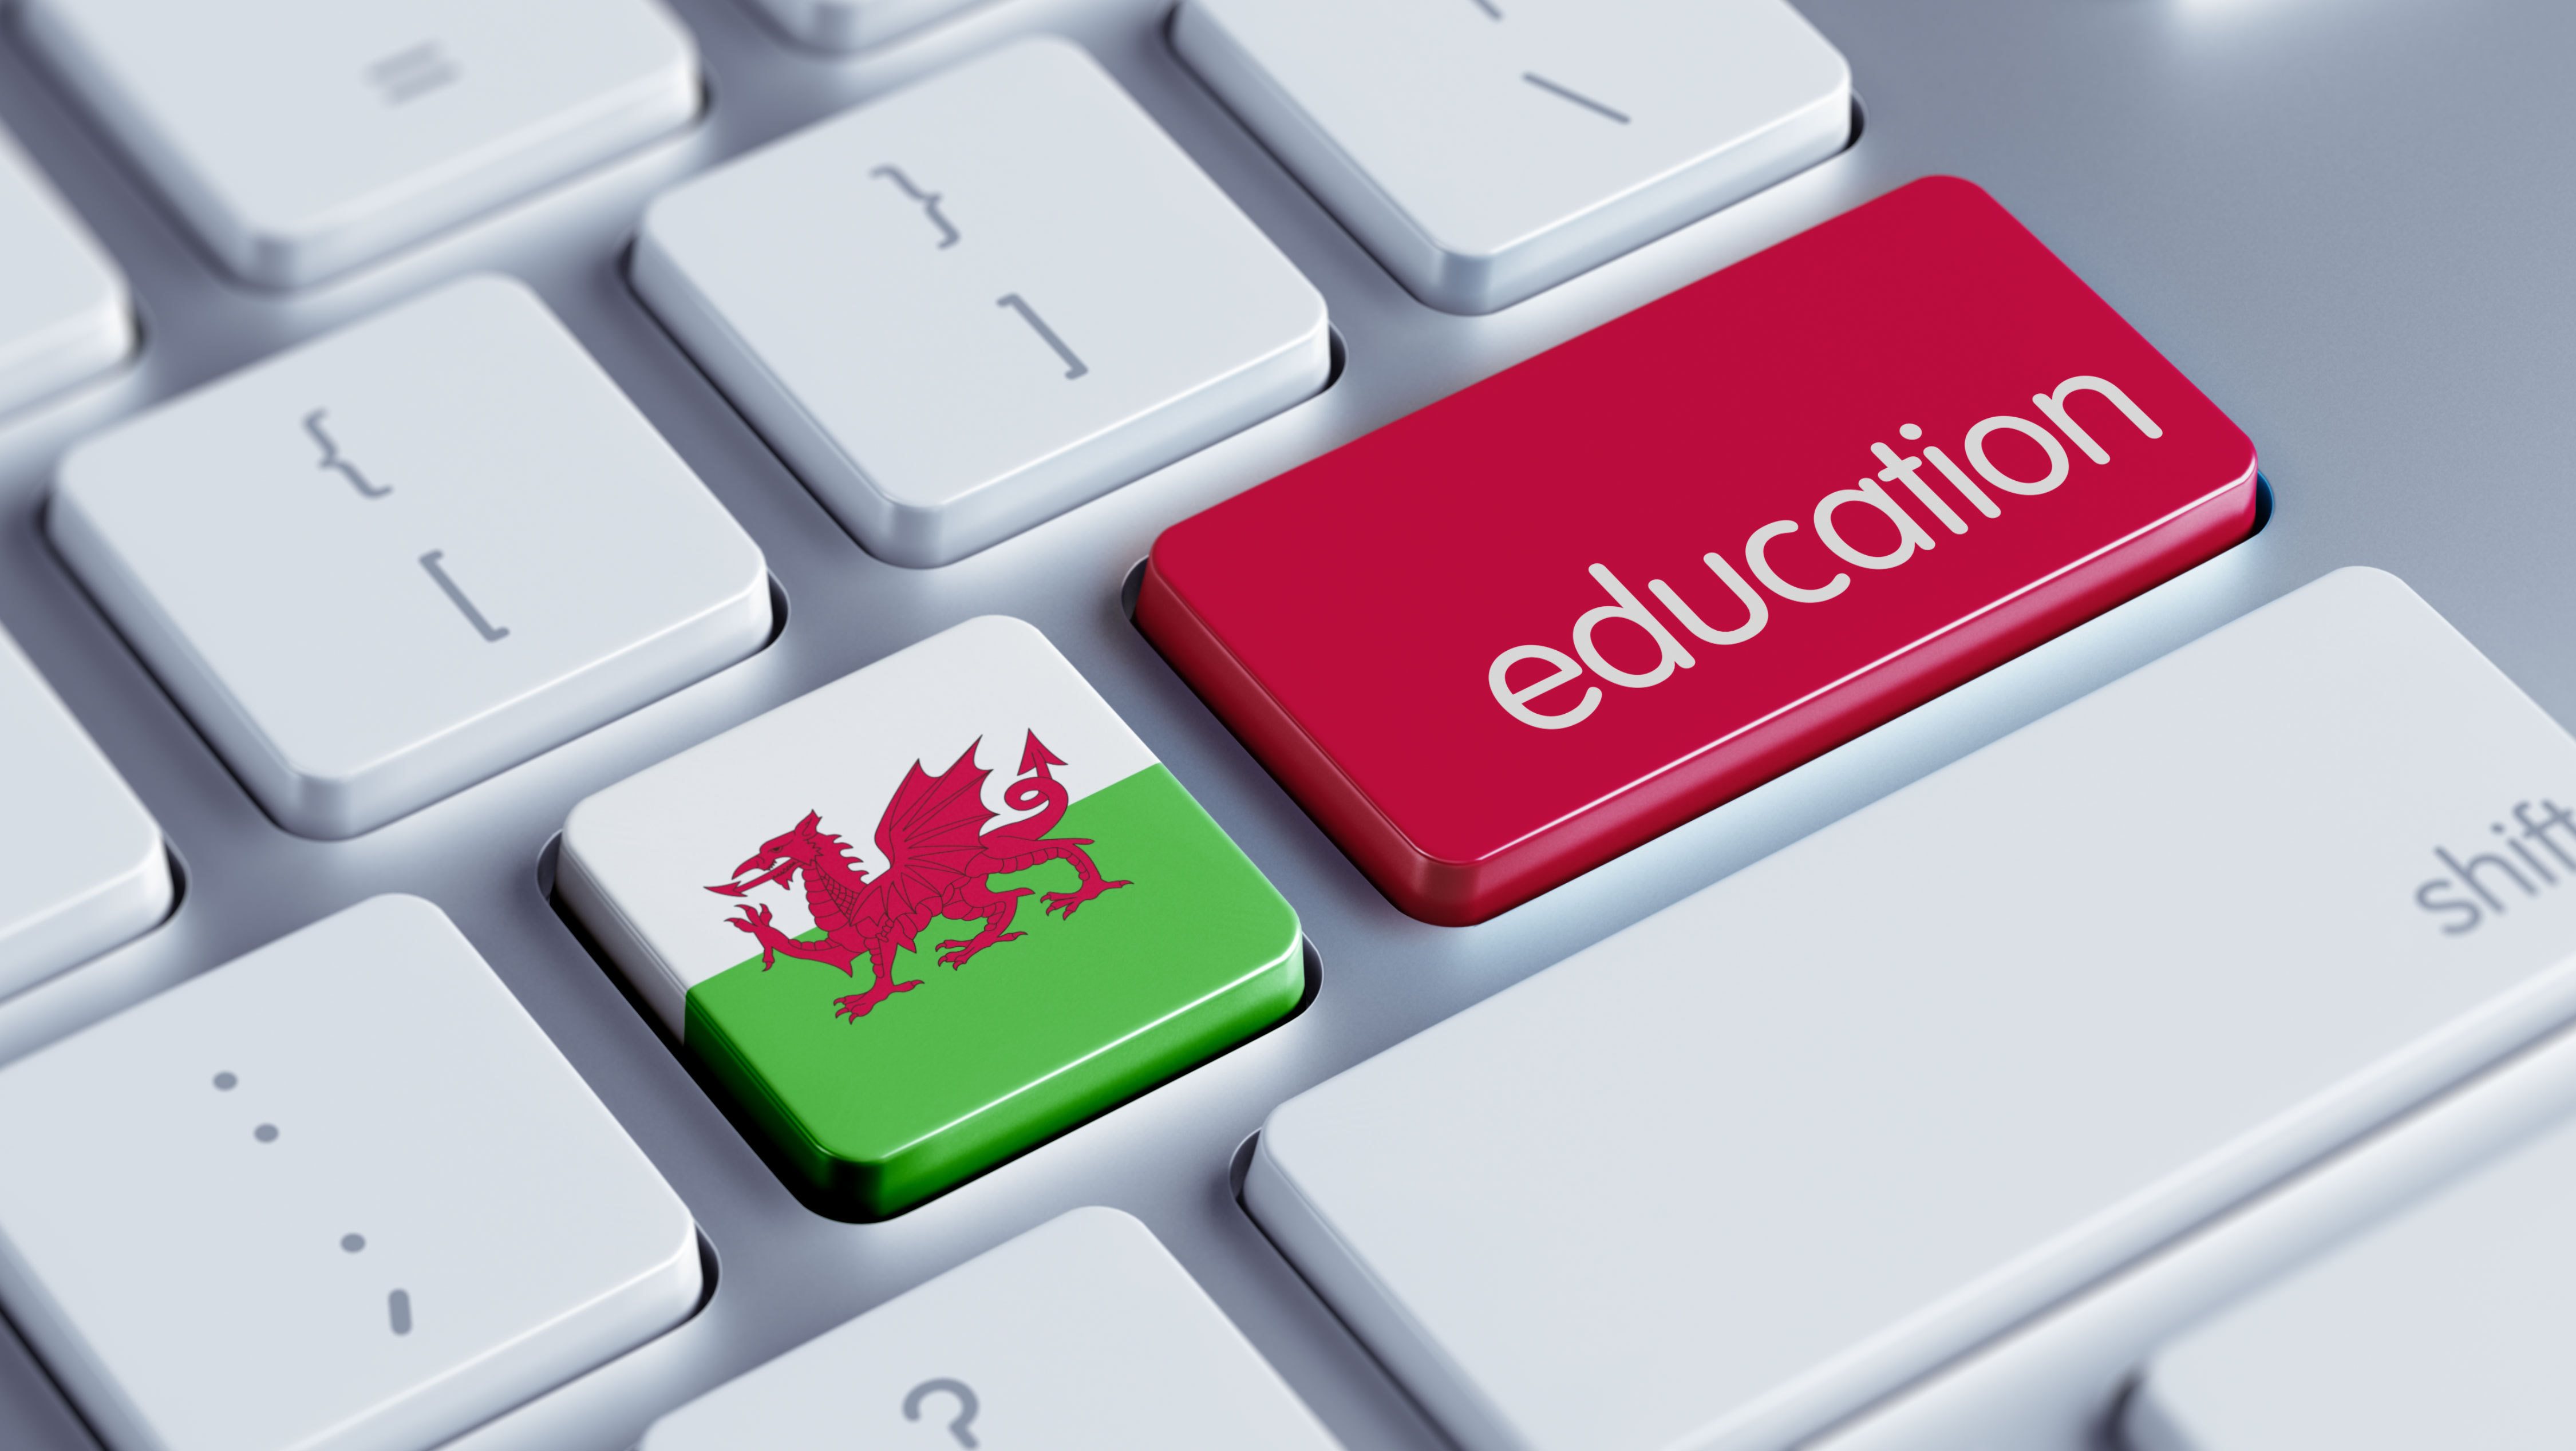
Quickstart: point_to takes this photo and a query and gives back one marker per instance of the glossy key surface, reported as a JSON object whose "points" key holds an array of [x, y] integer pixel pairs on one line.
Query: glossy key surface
{"points": [[1486, 150], [1083, 1334], [1804, 1136], [303, 138], [386, 565], [2450, 1325], [930, 915], [969, 306], [1517, 633], [340, 1194]]}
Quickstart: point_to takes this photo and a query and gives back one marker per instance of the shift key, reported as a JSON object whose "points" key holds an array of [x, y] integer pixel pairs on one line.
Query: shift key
{"points": [[1571, 607], [1760, 1160]]}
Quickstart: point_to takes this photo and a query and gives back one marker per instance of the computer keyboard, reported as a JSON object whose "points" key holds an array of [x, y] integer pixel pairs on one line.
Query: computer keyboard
{"points": [[601, 538]]}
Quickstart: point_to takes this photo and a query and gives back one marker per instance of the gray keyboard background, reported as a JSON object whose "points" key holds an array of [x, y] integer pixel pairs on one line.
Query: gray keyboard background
{"points": [[2348, 220]]}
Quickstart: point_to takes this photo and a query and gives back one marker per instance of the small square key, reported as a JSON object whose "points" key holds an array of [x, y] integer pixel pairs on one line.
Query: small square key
{"points": [[931, 914], [388, 564], [82, 867], [1083, 1334], [64, 316], [971, 306], [340, 1194], [1487, 150], [851, 24], [304, 138]]}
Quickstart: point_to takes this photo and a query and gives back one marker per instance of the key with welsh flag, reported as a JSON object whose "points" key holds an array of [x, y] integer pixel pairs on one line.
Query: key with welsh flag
{"points": [[930, 915]]}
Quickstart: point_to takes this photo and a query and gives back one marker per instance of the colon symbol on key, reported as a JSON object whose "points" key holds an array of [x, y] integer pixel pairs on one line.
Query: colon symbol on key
{"points": [[398, 1301], [959, 1425]]}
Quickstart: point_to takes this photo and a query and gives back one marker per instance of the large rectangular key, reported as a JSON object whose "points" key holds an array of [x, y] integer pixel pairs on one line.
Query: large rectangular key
{"points": [[1596, 594], [1800, 1138]]}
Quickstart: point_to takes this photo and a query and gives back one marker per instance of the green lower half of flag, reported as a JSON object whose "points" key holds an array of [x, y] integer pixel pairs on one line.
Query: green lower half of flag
{"points": [[1031, 1036]]}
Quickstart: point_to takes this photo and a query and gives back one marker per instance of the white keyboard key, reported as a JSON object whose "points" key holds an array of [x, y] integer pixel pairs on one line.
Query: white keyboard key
{"points": [[1487, 150], [1773, 1152], [341, 1193], [82, 866], [303, 138], [1083, 1334], [388, 564], [852, 24], [972, 305], [2452, 1326], [64, 315]]}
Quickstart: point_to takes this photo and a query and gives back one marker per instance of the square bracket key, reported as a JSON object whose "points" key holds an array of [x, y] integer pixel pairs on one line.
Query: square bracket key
{"points": [[1487, 150], [930, 915], [970, 306], [383, 566]]}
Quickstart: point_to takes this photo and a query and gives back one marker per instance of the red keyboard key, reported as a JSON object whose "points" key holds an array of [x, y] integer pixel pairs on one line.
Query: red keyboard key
{"points": [[1498, 642]]}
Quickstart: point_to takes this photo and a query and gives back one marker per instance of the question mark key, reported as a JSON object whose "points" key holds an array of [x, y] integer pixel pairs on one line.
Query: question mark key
{"points": [[1083, 1334]]}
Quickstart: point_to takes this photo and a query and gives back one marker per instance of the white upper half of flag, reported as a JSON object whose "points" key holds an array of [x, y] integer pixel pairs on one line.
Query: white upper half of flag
{"points": [[647, 848]]}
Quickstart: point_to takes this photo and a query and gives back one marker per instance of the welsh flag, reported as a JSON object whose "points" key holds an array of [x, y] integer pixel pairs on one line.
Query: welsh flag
{"points": [[931, 915]]}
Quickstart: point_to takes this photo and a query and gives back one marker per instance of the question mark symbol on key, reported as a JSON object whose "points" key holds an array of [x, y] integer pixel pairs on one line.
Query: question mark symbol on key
{"points": [[966, 1407]]}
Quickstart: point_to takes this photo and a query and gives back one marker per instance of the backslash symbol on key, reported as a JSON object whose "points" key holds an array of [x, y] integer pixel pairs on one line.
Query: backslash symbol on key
{"points": [[1577, 97]]}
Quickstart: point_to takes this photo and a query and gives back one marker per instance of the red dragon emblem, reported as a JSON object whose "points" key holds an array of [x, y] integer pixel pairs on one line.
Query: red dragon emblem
{"points": [[938, 859]]}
